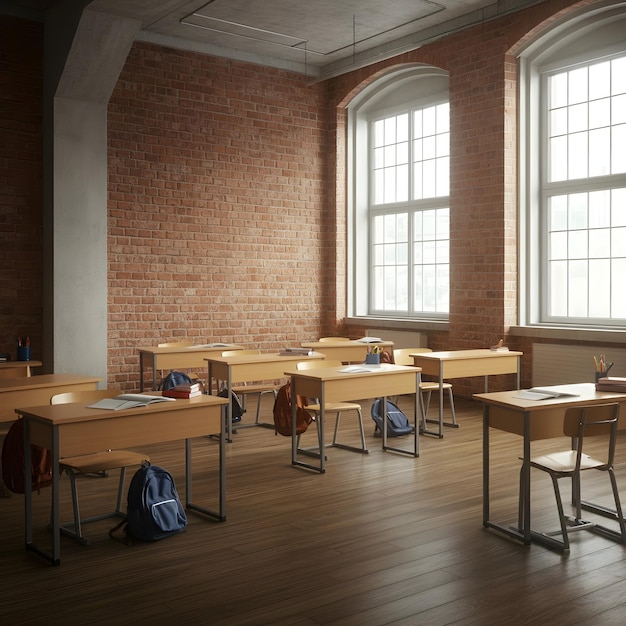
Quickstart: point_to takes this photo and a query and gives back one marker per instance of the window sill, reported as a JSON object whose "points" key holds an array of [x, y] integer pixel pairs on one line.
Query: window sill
{"points": [[399, 324], [572, 334]]}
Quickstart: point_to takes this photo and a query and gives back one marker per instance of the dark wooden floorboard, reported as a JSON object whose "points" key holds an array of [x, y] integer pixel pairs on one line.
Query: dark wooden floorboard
{"points": [[379, 539]]}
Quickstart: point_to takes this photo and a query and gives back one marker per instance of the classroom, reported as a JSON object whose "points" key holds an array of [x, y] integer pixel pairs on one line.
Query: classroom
{"points": [[159, 189]]}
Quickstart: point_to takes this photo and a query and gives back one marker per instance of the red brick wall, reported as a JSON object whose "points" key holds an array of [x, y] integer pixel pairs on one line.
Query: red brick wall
{"points": [[483, 186], [21, 186], [216, 205], [227, 195]]}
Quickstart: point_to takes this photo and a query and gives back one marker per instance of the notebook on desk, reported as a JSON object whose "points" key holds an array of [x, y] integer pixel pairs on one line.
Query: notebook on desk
{"points": [[127, 401], [536, 393]]}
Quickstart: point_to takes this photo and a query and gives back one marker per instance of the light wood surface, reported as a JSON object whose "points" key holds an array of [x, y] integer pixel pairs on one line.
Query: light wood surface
{"points": [[531, 420], [465, 364], [332, 384], [35, 390], [377, 540], [17, 369], [75, 429], [176, 356], [234, 368], [345, 351]]}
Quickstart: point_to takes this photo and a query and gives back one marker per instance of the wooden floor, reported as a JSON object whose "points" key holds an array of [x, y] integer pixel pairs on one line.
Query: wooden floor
{"points": [[379, 539]]}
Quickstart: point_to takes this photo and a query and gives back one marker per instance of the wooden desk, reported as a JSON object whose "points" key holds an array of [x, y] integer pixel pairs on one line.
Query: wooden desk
{"points": [[249, 367], [35, 390], [17, 369], [333, 385], [74, 429], [465, 364], [179, 357], [346, 351], [532, 420]]}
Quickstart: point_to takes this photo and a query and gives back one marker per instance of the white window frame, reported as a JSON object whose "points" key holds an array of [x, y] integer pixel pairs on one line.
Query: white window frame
{"points": [[582, 38], [411, 87]]}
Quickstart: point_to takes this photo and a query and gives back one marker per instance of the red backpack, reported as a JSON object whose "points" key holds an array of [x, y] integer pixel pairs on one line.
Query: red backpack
{"points": [[13, 461], [282, 412]]}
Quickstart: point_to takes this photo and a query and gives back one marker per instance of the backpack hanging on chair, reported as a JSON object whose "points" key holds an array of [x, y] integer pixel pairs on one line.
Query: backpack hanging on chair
{"points": [[282, 413], [40, 474]]}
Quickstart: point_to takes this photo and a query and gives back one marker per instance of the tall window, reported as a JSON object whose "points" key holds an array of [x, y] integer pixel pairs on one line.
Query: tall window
{"points": [[410, 174], [576, 209], [401, 200]]}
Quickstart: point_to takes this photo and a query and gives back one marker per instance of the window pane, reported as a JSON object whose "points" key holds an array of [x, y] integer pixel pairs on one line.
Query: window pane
{"points": [[618, 149], [599, 152], [584, 228], [600, 80], [410, 250], [600, 288]]}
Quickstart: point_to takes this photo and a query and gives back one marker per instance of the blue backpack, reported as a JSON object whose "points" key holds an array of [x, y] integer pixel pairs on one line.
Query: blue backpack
{"points": [[397, 422], [173, 379], [154, 508]]}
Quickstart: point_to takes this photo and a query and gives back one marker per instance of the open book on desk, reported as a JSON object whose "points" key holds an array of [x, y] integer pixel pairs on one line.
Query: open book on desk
{"points": [[127, 401], [535, 393]]}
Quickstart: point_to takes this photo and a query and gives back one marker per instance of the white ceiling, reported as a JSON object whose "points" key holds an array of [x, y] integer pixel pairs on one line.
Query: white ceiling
{"points": [[321, 38]]}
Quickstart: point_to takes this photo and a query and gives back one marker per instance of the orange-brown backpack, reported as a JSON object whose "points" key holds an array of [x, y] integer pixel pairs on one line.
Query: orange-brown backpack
{"points": [[282, 412], [13, 461]]}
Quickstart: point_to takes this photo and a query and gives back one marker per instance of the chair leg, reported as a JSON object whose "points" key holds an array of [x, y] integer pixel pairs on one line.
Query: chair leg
{"points": [[618, 506], [559, 504], [425, 406], [120, 491], [361, 432]]}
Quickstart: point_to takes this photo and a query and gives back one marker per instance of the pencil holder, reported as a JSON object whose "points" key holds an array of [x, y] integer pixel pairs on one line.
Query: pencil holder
{"points": [[600, 375], [372, 359], [23, 353]]}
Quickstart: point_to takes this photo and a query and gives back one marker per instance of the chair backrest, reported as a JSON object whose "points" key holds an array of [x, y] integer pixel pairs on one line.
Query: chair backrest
{"points": [[175, 344], [313, 365], [240, 352], [89, 395], [401, 355], [581, 423], [333, 339]]}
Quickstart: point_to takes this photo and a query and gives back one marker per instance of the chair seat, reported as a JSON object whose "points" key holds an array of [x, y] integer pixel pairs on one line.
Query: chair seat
{"points": [[334, 406], [565, 461], [103, 461], [255, 388], [433, 386]]}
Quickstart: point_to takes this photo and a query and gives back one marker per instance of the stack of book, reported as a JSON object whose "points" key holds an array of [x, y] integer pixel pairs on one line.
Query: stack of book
{"points": [[190, 390], [296, 352], [611, 383]]}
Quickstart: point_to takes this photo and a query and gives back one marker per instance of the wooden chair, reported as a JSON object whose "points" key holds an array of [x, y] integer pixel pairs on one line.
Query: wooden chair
{"points": [[580, 424], [252, 388], [333, 339], [401, 357], [97, 463], [337, 407]]}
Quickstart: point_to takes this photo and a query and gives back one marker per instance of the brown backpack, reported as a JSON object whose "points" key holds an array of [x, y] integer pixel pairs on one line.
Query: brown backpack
{"points": [[282, 412], [13, 461]]}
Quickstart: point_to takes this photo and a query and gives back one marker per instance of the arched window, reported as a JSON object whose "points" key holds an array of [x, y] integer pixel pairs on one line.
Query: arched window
{"points": [[573, 171], [398, 196]]}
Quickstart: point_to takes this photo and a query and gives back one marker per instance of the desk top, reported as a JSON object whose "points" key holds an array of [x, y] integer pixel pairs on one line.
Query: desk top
{"points": [[264, 357], [346, 344], [585, 393], [351, 371], [15, 364], [45, 380], [59, 414], [452, 355], [207, 347]]}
